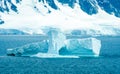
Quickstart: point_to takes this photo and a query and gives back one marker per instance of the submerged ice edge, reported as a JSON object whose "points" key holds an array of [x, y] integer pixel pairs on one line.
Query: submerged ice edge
{"points": [[47, 55]]}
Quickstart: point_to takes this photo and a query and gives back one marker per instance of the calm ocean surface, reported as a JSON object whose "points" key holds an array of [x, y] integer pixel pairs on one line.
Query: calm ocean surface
{"points": [[84, 65]]}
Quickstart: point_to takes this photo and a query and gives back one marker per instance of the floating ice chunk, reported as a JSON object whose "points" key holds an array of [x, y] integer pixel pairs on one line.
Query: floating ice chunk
{"points": [[29, 49], [11, 52]]}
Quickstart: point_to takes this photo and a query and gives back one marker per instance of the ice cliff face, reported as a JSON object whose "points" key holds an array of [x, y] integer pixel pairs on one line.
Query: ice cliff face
{"points": [[88, 6]]}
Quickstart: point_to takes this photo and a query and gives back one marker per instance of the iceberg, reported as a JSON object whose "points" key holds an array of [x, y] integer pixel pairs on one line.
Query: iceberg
{"points": [[68, 48], [58, 45]]}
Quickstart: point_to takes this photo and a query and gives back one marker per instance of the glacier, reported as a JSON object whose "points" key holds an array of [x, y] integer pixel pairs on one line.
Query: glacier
{"points": [[66, 15]]}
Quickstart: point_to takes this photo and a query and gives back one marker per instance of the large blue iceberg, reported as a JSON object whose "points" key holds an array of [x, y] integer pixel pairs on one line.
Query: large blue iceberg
{"points": [[57, 44]]}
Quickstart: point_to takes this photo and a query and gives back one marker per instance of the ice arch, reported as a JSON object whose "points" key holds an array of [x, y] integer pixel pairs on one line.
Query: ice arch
{"points": [[80, 47]]}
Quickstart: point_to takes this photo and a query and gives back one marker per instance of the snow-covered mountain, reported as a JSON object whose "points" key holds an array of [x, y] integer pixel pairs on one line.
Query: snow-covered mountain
{"points": [[65, 14], [88, 6]]}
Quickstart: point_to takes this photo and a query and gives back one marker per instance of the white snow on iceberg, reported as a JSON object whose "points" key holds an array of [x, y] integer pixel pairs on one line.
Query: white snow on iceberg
{"points": [[29, 49]]}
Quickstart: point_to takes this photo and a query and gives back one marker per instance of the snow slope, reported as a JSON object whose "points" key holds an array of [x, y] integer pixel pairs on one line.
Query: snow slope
{"points": [[34, 14]]}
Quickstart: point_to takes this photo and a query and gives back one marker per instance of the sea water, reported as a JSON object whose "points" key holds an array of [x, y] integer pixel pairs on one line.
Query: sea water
{"points": [[110, 45]]}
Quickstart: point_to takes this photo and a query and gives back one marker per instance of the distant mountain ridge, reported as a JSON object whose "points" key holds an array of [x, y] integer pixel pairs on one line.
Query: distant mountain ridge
{"points": [[12, 32]]}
